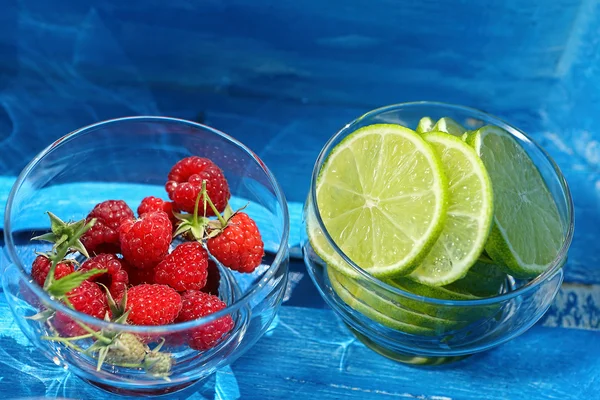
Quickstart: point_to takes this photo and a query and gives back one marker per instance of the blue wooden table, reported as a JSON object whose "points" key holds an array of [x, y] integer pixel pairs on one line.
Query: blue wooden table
{"points": [[284, 76]]}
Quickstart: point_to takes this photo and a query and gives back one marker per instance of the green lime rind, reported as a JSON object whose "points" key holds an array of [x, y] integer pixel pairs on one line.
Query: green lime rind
{"points": [[453, 292], [362, 306], [404, 313], [485, 258], [445, 124], [448, 125], [527, 231], [469, 215], [382, 195], [425, 125], [482, 280], [388, 304]]}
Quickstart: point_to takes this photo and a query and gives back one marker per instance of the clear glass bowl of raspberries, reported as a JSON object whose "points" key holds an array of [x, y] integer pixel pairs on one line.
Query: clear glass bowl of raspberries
{"points": [[145, 253]]}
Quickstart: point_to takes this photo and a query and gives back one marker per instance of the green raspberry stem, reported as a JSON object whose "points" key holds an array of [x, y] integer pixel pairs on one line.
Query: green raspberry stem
{"points": [[66, 341], [212, 205]]}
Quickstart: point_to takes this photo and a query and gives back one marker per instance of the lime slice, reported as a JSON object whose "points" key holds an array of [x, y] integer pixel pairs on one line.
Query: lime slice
{"points": [[482, 280], [387, 311], [450, 126], [469, 216], [484, 257], [425, 125], [472, 287], [415, 316], [527, 232], [382, 195]]}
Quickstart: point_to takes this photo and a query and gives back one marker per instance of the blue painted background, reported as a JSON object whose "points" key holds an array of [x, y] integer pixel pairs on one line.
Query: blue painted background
{"points": [[283, 76]]}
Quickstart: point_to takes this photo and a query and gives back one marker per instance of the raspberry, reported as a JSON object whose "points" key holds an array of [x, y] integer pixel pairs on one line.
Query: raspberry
{"points": [[196, 305], [139, 276], [213, 279], [103, 237], [87, 298], [151, 203], [115, 279], [184, 269], [153, 305], [158, 364], [185, 184], [145, 242], [41, 266], [239, 246], [126, 348]]}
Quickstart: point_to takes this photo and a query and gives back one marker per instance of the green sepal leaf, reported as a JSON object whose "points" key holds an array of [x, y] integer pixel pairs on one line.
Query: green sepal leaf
{"points": [[101, 357], [65, 236], [42, 316], [64, 285], [119, 314], [46, 237]]}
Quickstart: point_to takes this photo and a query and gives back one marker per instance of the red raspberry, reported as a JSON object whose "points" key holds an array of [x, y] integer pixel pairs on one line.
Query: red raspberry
{"points": [[145, 242], [151, 203], [139, 276], [213, 279], [41, 266], [185, 184], [103, 237], [239, 246], [196, 305], [184, 269], [153, 305], [87, 298], [115, 279]]}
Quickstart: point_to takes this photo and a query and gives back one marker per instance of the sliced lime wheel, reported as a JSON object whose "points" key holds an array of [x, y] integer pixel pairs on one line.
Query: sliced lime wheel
{"points": [[382, 196], [450, 126], [425, 125], [527, 232], [469, 216]]}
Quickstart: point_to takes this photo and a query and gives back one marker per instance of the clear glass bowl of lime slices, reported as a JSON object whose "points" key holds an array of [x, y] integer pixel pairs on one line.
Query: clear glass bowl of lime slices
{"points": [[436, 231], [128, 160]]}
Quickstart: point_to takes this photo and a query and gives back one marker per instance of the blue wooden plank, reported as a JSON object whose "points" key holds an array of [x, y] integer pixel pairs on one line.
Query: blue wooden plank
{"points": [[309, 351], [92, 61], [282, 78], [575, 306]]}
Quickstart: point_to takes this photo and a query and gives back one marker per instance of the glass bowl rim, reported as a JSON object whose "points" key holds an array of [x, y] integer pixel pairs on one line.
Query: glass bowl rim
{"points": [[547, 275], [279, 258]]}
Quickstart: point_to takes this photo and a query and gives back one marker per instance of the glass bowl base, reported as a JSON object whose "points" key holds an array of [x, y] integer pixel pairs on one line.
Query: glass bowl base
{"points": [[140, 392], [404, 357]]}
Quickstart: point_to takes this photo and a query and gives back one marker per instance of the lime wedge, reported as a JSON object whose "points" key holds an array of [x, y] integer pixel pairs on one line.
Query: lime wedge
{"points": [[425, 125], [382, 196], [469, 216], [450, 126], [527, 232]]}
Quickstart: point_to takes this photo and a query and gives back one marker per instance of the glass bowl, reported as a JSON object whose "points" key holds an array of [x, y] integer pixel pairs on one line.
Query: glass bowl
{"points": [[416, 328], [129, 159]]}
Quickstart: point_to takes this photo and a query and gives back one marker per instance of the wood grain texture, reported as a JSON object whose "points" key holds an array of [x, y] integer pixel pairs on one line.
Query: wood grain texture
{"points": [[310, 353], [283, 77]]}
